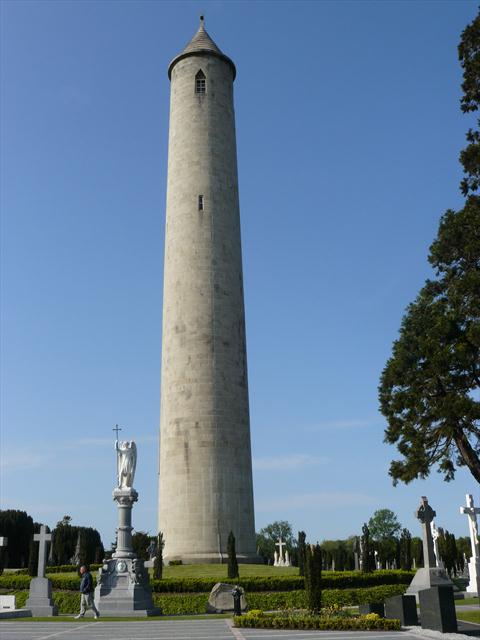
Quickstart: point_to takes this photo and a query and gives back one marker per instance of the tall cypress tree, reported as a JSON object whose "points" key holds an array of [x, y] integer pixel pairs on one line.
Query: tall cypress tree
{"points": [[158, 562], [367, 550], [313, 578], [406, 550], [301, 552], [232, 556]]}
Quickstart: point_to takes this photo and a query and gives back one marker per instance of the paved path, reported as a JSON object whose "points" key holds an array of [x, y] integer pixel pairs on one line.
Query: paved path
{"points": [[172, 630]]}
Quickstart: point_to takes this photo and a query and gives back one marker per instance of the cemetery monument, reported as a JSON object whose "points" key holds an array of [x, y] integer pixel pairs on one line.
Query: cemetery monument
{"points": [[40, 601], [205, 463], [430, 575], [474, 565], [123, 583]]}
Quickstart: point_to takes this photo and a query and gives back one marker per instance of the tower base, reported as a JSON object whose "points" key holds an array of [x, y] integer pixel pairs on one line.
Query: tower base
{"points": [[123, 589], [211, 558]]}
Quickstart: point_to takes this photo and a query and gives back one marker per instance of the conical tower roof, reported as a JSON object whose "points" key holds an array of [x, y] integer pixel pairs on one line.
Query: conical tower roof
{"points": [[201, 44]]}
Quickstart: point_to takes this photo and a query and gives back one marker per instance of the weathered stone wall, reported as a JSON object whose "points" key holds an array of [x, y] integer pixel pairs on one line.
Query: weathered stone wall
{"points": [[205, 487]]}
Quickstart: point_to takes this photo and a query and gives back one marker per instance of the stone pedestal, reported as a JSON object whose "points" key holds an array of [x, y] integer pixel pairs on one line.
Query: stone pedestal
{"points": [[123, 583], [428, 577], [474, 576], [40, 601], [437, 609], [403, 608], [123, 589]]}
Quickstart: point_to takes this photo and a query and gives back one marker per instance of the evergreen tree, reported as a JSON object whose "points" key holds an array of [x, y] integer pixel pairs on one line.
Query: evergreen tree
{"points": [[417, 552], [301, 552], [313, 578], [232, 556], [367, 550], [140, 543], [428, 389], [158, 562], [405, 550], [17, 526]]}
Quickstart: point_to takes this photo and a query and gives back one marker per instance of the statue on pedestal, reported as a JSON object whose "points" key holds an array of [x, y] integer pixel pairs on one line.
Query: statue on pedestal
{"points": [[123, 584]]}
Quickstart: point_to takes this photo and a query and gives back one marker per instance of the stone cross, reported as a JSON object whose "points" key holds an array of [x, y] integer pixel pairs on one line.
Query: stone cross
{"points": [[471, 511], [426, 514], [42, 538], [280, 544]]}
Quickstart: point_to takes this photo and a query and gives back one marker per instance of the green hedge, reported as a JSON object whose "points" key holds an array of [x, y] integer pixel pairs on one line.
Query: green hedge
{"points": [[330, 580], [317, 622], [67, 568], [193, 603]]}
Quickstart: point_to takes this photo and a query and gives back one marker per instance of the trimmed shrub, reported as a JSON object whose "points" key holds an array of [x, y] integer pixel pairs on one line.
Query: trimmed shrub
{"points": [[271, 621]]}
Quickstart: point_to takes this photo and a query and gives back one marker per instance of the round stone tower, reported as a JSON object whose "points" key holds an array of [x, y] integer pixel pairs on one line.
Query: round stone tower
{"points": [[205, 488]]}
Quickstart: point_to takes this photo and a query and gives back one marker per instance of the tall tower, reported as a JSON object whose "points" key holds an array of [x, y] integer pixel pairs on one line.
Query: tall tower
{"points": [[205, 488]]}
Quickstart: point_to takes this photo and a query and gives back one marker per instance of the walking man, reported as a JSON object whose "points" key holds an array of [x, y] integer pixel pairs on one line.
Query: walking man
{"points": [[86, 591]]}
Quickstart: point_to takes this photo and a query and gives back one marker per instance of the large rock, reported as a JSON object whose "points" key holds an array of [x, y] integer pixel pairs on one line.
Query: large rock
{"points": [[220, 599]]}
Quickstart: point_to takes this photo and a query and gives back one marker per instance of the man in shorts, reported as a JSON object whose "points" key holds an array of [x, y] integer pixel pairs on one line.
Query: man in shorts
{"points": [[86, 591]]}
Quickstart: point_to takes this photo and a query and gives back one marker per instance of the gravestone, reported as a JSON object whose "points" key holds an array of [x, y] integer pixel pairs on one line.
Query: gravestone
{"points": [[429, 575], [40, 600], [220, 599], [279, 560], [437, 609], [403, 608], [474, 564]]}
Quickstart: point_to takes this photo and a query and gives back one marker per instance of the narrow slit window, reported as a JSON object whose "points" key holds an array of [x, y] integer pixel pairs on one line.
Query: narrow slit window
{"points": [[200, 82], [200, 203]]}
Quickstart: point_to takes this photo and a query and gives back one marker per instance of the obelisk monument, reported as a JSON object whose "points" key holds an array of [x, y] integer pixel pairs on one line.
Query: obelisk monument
{"points": [[205, 471]]}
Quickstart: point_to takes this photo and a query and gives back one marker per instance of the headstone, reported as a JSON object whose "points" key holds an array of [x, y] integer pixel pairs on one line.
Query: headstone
{"points": [[123, 584], [287, 558], [474, 565], [403, 608], [429, 575], [437, 609], [356, 560], [40, 600], [7, 603], [373, 607], [378, 564], [220, 599]]}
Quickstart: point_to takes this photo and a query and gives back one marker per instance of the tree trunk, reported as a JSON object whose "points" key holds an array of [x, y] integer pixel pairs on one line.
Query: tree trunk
{"points": [[468, 454]]}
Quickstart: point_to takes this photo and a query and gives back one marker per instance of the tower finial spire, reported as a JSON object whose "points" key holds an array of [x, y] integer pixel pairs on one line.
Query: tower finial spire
{"points": [[202, 21]]}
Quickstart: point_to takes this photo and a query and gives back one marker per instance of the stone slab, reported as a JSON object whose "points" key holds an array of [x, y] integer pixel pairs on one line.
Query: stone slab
{"points": [[427, 578], [16, 613], [437, 609], [403, 608], [7, 602], [220, 599]]}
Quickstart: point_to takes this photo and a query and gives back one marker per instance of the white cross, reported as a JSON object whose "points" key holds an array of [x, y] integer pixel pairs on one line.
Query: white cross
{"points": [[471, 511], [42, 538], [280, 544]]}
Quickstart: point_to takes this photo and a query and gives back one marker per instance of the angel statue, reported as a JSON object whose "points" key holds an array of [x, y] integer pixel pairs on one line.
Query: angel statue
{"points": [[126, 462]]}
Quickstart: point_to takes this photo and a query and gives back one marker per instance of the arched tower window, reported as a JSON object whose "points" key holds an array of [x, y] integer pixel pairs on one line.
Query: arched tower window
{"points": [[200, 82]]}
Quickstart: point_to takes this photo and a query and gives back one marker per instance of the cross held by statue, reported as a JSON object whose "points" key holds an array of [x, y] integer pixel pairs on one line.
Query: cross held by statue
{"points": [[116, 428]]}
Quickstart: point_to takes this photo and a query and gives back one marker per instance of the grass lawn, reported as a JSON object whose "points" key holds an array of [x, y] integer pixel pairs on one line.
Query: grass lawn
{"points": [[219, 571], [467, 601], [469, 616], [215, 571]]}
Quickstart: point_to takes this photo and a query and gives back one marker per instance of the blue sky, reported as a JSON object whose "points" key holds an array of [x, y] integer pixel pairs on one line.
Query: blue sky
{"points": [[348, 129]]}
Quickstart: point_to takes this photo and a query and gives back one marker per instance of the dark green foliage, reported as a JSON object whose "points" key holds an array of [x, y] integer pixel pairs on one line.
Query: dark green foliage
{"points": [[73, 544], [367, 551], [338, 554], [140, 542], [406, 550], [383, 524], [269, 535], [304, 621], [427, 389], [449, 553], [232, 557], [17, 526], [417, 552], [301, 552], [158, 562], [313, 577]]}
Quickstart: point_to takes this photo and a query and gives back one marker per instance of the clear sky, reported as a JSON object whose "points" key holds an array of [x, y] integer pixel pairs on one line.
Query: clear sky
{"points": [[349, 130]]}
